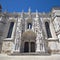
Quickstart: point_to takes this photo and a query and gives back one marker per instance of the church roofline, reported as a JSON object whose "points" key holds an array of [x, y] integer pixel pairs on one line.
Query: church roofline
{"points": [[15, 14], [41, 14]]}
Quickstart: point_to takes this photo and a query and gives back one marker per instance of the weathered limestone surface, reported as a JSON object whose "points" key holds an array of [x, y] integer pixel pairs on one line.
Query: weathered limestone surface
{"points": [[7, 46]]}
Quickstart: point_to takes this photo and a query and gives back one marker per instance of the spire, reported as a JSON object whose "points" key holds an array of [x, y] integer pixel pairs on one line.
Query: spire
{"points": [[37, 13], [29, 12], [22, 13]]}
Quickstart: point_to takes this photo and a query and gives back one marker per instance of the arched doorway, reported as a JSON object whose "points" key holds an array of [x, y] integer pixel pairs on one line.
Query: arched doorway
{"points": [[28, 39], [29, 47]]}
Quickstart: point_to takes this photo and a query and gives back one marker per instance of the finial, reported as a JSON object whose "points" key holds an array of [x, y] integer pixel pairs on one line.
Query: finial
{"points": [[29, 10], [37, 13]]}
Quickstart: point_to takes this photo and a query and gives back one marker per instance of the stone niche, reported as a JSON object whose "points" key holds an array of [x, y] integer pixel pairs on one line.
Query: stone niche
{"points": [[7, 46]]}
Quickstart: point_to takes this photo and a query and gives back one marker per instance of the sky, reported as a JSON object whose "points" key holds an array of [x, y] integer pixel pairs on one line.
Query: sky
{"points": [[19, 5]]}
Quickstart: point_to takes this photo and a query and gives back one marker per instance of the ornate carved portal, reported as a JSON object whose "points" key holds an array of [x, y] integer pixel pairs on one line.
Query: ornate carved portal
{"points": [[28, 41]]}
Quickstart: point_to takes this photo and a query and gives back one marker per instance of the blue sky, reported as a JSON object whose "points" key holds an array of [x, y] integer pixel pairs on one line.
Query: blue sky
{"points": [[19, 5]]}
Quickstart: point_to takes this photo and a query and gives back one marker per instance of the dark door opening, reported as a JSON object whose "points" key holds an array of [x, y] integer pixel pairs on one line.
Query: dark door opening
{"points": [[26, 47], [32, 47], [29, 45]]}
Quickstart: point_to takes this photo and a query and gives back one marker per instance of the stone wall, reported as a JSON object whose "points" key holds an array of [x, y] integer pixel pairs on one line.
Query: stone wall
{"points": [[7, 46]]}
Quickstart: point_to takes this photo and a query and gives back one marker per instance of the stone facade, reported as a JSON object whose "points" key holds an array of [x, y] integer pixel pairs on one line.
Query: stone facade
{"points": [[31, 32]]}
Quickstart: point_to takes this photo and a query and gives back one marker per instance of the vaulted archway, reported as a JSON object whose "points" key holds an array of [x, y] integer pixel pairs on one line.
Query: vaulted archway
{"points": [[28, 41]]}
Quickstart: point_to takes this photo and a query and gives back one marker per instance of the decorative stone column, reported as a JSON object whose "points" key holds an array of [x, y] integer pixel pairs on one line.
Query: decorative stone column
{"points": [[17, 36], [39, 38], [37, 45], [40, 44]]}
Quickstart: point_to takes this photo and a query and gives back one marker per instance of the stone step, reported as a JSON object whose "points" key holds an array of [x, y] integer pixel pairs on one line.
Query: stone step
{"points": [[29, 57], [41, 53]]}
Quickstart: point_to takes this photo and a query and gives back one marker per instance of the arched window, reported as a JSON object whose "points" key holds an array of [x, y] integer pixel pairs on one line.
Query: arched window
{"points": [[48, 30], [29, 26], [10, 30]]}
